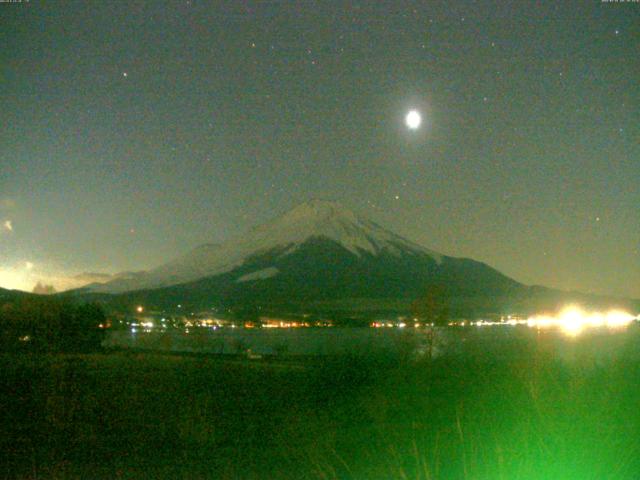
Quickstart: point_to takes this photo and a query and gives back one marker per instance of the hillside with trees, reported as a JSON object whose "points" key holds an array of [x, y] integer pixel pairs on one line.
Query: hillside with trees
{"points": [[45, 324]]}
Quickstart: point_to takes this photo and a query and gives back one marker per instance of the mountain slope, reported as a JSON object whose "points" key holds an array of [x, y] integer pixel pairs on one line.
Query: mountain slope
{"points": [[311, 220], [323, 270], [320, 257], [319, 252], [11, 295]]}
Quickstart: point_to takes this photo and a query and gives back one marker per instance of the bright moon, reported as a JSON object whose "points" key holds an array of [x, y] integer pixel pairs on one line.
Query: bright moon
{"points": [[413, 119]]}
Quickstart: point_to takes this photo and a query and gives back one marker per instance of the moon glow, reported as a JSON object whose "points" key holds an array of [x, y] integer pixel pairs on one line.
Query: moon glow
{"points": [[413, 119]]}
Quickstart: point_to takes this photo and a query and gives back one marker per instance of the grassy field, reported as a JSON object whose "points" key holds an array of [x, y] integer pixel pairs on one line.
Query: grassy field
{"points": [[524, 416]]}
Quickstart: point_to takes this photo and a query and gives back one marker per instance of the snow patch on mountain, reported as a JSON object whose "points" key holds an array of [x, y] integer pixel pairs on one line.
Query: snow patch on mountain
{"points": [[259, 275]]}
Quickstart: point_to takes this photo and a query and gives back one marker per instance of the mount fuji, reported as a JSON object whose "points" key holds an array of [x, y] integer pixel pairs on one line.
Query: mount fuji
{"points": [[313, 222], [317, 255]]}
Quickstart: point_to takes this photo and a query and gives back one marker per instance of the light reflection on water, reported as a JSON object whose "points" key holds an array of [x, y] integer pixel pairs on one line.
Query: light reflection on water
{"points": [[597, 343]]}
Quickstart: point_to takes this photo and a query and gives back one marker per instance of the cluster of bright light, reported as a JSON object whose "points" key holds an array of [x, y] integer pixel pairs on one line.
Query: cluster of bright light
{"points": [[400, 324], [285, 324], [573, 320]]}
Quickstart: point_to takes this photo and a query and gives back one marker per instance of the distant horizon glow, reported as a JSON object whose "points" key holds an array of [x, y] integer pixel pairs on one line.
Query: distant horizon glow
{"points": [[14, 279], [25, 275]]}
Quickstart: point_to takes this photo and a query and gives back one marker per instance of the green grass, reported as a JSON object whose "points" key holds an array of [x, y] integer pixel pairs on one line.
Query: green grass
{"points": [[522, 416]]}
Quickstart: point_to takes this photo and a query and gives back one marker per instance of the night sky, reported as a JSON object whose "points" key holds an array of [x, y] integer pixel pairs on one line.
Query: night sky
{"points": [[134, 131]]}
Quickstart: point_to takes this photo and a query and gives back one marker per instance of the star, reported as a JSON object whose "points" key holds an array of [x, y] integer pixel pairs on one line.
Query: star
{"points": [[124, 74]]}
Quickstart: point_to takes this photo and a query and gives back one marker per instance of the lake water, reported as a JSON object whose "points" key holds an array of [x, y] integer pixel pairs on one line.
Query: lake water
{"points": [[597, 344]]}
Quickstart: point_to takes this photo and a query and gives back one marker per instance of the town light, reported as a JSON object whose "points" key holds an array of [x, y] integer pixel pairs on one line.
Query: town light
{"points": [[572, 320]]}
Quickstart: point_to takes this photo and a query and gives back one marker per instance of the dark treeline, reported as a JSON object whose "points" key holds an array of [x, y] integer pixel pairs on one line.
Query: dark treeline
{"points": [[45, 324]]}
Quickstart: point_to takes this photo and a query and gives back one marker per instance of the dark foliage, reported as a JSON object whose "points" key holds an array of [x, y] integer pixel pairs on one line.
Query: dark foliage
{"points": [[433, 306], [40, 324]]}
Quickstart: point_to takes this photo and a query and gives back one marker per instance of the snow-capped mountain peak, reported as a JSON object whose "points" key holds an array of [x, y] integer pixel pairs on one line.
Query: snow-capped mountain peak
{"points": [[328, 219], [316, 219]]}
